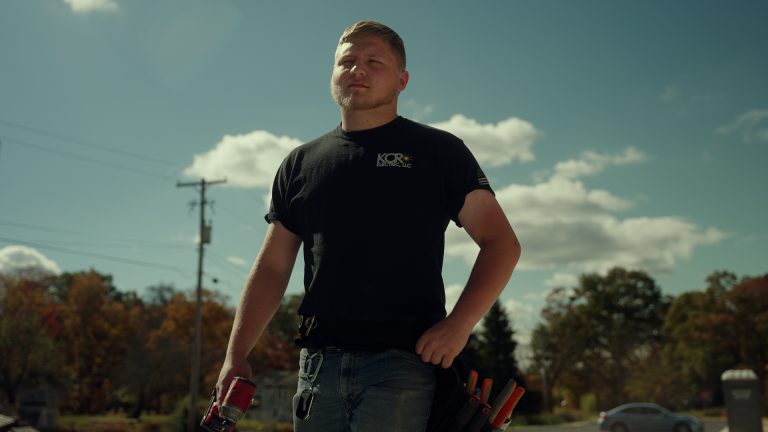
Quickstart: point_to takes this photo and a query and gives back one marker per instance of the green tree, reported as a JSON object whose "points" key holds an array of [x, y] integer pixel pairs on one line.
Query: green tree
{"points": [[497, 344], [621, 314], [558, 342], [491, 352]]}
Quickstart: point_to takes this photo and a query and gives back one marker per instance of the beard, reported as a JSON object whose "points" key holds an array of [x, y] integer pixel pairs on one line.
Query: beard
{"points": [[351, 102]]}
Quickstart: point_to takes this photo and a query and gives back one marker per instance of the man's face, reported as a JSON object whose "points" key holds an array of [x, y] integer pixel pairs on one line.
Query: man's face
{"points": [[366, 75]]}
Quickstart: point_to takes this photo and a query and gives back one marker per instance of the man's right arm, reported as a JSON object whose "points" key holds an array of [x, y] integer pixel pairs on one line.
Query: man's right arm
{"points": [[260, 300]]}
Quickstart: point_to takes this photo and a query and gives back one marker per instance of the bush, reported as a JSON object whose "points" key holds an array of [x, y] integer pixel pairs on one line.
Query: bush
{"points": [[177, 420]]}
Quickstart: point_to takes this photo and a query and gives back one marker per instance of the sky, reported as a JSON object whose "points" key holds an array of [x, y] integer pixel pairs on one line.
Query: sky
{"points": [[614, 133]]}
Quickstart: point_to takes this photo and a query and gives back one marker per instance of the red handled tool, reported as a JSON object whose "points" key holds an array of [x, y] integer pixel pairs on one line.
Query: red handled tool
{"points": [[505, 412], [234, 406]]}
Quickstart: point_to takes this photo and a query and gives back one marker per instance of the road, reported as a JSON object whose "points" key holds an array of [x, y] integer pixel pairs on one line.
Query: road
{"points": [[711, 424]]}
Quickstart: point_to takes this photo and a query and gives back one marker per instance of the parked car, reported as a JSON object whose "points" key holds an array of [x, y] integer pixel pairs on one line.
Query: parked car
{"points": [[646, 417]]}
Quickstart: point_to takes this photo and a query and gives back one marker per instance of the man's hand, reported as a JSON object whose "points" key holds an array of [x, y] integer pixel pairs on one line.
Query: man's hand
{"points": [[443, 342], [230, 370]]}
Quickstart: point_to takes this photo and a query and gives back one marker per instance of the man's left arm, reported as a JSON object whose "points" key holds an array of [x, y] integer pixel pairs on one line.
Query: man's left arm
{"points": [[485, 222]]}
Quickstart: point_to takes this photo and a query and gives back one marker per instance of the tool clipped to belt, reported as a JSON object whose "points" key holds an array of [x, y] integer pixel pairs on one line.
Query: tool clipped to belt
{"points": [[310, 367], [470, 410], [306, 325]]}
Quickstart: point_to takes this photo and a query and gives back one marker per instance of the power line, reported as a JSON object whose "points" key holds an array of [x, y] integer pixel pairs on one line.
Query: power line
{"points": [[89, 235], [86, 159], [95, 255], [220, 259], [88, 143]]}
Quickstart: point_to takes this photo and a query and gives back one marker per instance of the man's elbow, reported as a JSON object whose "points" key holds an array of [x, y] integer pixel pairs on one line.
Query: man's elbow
{"points": [[504, 243], [515, 249]]}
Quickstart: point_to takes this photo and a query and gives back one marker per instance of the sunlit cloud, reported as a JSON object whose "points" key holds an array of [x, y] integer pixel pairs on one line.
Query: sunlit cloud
{"points": [[494, 144], [88, 6], [17, 257], [564, 225], [752, 126], [248, 160]]}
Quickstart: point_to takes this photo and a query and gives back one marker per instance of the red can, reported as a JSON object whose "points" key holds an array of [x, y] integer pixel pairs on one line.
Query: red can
{"points": [[238, 399]]}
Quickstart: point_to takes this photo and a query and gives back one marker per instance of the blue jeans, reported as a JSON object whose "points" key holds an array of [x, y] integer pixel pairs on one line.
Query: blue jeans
{"points": [[385, 391]]}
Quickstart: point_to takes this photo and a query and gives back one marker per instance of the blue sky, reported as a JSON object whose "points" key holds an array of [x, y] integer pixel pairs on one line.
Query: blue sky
{"points": [[628, 133]]}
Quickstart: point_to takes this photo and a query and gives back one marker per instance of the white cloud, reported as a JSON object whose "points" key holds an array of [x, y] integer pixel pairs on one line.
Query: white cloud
{"points": [[16, 257], [494, 144], [236, 260], [751, 125], [563, 225], [561, 280], [249, 160], [416, 111], [523, 317], [592, 163], [87, 6]]}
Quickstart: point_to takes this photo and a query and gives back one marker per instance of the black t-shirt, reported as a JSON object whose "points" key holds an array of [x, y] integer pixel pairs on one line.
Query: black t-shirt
{"points": [[371, 208]]}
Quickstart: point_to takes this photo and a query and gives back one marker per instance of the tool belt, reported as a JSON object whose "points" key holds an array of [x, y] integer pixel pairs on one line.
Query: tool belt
{"points": [[463, 407]]}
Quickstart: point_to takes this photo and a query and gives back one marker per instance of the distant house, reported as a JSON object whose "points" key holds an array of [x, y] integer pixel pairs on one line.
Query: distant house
{"points": [[39, 407], [274, 395]]}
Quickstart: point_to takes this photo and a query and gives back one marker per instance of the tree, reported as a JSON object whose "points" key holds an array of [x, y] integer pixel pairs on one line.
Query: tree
{"points": [[557, 343], [737, 324], [497, 344], [144, 375], [173, 341], [27, 349], [747, 304], [95, 330], [621, 315]]}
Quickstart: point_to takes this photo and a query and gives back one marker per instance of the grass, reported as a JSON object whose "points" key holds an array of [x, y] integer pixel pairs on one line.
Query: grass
{"points": [[149, 423], [111, 423]]}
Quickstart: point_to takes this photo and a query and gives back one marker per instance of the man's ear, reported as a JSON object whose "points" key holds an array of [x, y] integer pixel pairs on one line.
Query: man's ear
{"points": [[404, 76]]}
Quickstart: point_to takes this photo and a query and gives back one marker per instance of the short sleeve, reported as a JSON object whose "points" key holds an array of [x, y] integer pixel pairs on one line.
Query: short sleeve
{"points": [[279, 208], [463, 175]]}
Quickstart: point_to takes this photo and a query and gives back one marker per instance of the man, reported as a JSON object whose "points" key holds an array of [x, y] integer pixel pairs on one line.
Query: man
{"points": [[370, 202]]}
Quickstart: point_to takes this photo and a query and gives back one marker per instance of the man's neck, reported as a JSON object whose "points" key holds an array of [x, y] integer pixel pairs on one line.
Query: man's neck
{"points": [[361, 120]]}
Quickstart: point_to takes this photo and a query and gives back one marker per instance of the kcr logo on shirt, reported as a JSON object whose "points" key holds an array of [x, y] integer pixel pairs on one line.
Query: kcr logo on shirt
{"points": [[400, 160]]}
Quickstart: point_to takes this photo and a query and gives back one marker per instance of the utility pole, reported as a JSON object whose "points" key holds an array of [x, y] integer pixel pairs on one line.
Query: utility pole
{"points": [[205, 237]]}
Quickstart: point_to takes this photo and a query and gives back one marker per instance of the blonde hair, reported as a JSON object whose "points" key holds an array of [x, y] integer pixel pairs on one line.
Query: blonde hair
{"points": [[374, 28]]}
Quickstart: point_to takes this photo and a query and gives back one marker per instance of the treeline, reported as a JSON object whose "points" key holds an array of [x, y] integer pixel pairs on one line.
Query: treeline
{"points": [[104, 349], [613, 338], [617, 338]]}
